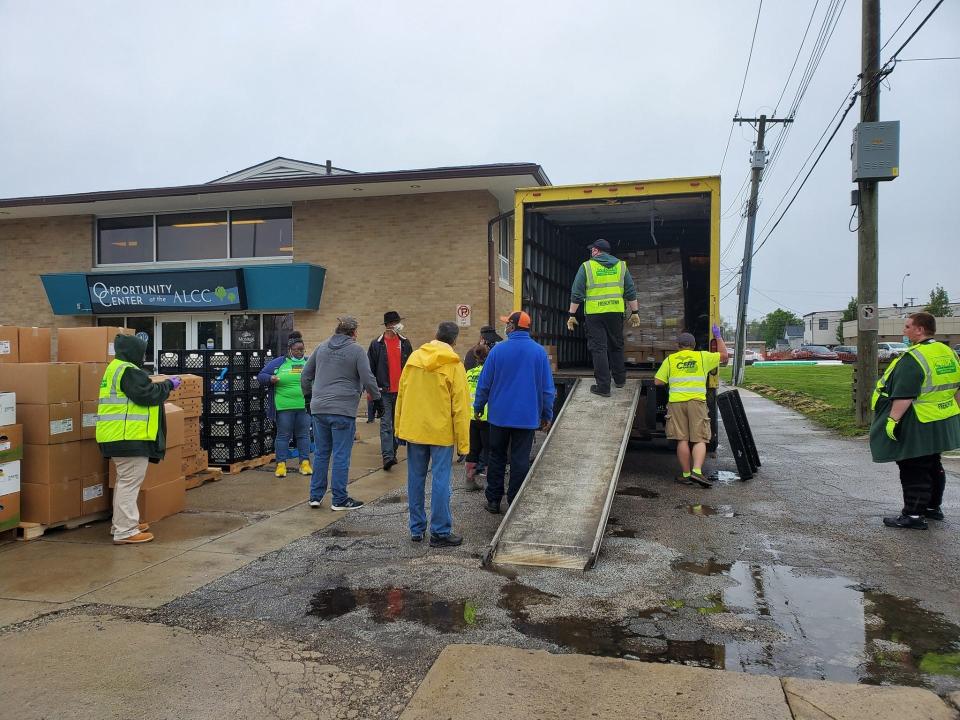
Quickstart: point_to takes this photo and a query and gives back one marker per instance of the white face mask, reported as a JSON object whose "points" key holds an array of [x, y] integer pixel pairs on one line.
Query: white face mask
{"points": [[398, 328]]}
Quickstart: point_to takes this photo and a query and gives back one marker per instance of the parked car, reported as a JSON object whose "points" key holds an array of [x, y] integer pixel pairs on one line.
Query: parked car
{"points": [[846, 353], [751, 356], [890, 350], [814, 352]]}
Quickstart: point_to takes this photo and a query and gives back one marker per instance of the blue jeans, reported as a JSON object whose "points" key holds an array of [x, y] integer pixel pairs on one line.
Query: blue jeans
{"points": [[440, 458], [388, 441], [517, 442], [333, 435], [294, 423]]}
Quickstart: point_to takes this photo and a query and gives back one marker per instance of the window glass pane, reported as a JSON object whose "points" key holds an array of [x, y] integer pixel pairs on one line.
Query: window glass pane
{"points": [[173, 335], [244, 332], [266, 232], [210, 334], [192, 236], [110, 321], [125, 240], [143, 326], [276, 330]]}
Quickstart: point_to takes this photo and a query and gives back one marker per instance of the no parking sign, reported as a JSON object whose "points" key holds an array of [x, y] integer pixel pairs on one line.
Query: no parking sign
{"points": [[463, 315]]}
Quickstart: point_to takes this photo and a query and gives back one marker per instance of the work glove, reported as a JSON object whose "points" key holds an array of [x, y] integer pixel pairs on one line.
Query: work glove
{"points": [[634, 320], [571, 323], [378, 408], [716, 332], [478, 414], [891, 429], [175, 381]]}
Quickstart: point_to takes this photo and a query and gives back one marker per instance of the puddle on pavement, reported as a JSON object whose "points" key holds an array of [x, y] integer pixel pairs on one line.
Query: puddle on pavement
{"points": [[638, 492], [724, 511], [710, 567], [395, 604], [725, 477]]}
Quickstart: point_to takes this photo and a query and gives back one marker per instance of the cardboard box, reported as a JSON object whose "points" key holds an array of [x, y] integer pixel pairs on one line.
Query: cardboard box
{"points": [[8, 408], [46, 464], [175, 427], [94, 494], [50, 424], [42, 383], [92, 461], [88, 344], [9, 511], [166, 470], [34, 344], [88, 419], [10, 477], [91, 374], [9, 344], [195, 463], [49, 504], [192, 407], [191, 435], [191, 386], [160, 501], [11, 443]]}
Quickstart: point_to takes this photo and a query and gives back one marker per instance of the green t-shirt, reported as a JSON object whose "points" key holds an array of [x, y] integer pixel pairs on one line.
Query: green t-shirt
{"points": [[287, 392]]}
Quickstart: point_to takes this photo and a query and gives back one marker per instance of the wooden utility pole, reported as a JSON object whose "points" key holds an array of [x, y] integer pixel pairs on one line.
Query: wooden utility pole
{"points": [[867, 263], [758, 159]]}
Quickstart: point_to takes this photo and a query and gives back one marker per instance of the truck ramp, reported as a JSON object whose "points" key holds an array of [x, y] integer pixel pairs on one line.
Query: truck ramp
{"points": [[559, 516]]}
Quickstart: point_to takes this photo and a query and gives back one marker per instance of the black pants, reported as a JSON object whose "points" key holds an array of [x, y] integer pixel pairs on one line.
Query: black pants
{"points": [[923, 481], [519, 443], [479, 440], [605, 343]]}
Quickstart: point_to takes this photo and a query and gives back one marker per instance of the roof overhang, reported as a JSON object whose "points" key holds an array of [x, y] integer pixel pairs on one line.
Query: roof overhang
{"points": [[499, 180]]}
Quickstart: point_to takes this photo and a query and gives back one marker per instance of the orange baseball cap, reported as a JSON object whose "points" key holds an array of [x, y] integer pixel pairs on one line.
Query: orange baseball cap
{"points": [[519, 320]]}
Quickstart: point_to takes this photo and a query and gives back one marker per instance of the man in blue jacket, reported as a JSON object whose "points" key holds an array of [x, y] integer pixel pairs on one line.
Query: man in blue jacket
{"points": [[516, 385]]}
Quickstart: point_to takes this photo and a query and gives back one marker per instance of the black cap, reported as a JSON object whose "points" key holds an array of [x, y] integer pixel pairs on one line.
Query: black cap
{"points": [[600, 244], [390, 317], [489, 335]]}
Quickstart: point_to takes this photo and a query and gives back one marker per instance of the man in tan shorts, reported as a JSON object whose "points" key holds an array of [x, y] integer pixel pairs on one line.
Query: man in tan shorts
{"points": [[688, 421]]}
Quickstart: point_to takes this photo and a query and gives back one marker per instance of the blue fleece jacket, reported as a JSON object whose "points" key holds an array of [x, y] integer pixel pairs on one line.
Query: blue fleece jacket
{"points": [[516, 383]]}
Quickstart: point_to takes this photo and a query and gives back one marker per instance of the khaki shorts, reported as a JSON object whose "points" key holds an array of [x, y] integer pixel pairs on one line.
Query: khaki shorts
{"points": [[688, 421]]}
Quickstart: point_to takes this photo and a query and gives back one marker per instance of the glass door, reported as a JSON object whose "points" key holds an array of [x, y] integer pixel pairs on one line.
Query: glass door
{"points": [[192, 332], [208, 333]]}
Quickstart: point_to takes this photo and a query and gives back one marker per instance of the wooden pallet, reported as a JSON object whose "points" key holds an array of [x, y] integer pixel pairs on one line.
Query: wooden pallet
{"points": [[211, 474], [234, 468], [27, 531]]}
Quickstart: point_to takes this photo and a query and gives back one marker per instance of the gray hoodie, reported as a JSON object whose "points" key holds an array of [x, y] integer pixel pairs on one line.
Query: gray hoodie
{"points": [[335, 375]]}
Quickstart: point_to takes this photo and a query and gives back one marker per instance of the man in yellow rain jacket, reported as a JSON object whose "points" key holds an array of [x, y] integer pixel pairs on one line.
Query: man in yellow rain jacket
{"points": [[433, 416]]}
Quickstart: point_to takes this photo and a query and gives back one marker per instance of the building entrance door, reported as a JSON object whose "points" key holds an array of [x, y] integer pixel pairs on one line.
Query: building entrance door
{"points": [[193, 332]]}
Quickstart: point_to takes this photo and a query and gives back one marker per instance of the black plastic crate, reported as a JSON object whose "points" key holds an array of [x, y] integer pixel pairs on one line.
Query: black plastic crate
{"points": [[240, 405], [191, 362], [219, 384], [228, 428], [254, 385], [255, 446], [168, 362], [257, 359], [238, 361], [254, 425], [256, 402], [218, 406], [215, 361], [226, 452]]}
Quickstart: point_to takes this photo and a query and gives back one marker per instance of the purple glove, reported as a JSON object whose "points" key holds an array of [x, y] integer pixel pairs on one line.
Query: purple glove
{"points": [[175, 381], [716, 332]]}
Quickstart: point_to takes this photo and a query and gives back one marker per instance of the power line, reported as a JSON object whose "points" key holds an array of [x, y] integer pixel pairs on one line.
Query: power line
{"points": [[894, 33], [797, 57], [919, 59], [743, 85]]}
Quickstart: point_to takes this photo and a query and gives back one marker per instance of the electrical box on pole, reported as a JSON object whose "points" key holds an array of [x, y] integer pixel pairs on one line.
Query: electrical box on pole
{"points": [[876, 151]]}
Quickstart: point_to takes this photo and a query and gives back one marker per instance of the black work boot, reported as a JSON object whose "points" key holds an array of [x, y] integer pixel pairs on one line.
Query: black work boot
{"points": [[906, 521], [595, 389], [450, 540], [492, 507], [933, 514]]}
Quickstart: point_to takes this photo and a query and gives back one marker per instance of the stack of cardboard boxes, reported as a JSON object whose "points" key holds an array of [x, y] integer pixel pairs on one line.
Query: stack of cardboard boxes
{"points": [[11, 453], [189, 397], [658, 275]]}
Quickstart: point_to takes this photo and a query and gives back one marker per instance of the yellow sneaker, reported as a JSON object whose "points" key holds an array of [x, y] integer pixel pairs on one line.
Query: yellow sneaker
{"points": [[281, 470], [305, 468]]}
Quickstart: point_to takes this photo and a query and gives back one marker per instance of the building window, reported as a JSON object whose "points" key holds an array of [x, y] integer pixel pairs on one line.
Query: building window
{"points": [[505, 251], [824, 324], [261, 233], [276, 330], [192, 236], [244, 331], [125, 240]]}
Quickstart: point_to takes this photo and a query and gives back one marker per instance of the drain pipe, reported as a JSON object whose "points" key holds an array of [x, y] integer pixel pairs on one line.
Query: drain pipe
{"points": [[492, 268]]}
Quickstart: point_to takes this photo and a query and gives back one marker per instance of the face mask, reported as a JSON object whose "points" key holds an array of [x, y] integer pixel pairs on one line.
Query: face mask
{"points": [[398, 328], [906, 340]]}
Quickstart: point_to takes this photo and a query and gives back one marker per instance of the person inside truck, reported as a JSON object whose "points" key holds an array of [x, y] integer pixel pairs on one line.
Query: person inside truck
{"points": [[688, 420], [603, 285]]}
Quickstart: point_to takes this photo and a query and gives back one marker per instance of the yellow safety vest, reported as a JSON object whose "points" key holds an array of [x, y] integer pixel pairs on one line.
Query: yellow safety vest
{"points": [[941, 378], [117, 417], [604, 287], [473, 376], [687, 380]]}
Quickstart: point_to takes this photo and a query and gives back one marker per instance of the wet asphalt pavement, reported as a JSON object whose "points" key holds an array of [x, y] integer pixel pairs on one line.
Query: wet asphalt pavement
{"points": [[790, 573]]}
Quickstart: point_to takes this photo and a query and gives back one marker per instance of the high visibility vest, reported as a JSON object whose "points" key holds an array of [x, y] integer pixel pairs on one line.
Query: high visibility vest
{"points": [[941, 379], [687, 380], [473, 376], [604, 287], [117, 417]]}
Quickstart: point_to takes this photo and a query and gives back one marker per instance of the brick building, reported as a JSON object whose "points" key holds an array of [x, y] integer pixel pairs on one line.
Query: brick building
{"points": [[241, 260]]}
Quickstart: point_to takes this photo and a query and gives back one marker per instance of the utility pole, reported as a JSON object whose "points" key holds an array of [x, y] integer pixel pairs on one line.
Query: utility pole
{"points": [[867, 262], [758, 159]]}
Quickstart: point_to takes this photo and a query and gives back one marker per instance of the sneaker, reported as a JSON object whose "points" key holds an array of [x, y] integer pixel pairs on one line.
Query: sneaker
{"points": [[933, 514], [141, 537], [387, 464], [492, 507], [701, 480], [315, 503], [305, 468], [281, 470], [681, 480], [450, 540], [595, 389], [906, 522], [418, 537], [348, 504]]}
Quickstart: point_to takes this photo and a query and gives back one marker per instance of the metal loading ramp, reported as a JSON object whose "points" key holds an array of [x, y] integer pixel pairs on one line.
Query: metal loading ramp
{"points": [[559, 516]]}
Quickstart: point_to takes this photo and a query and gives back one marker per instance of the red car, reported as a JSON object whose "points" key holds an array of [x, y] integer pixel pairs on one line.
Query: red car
{"points": [[814, 352]]}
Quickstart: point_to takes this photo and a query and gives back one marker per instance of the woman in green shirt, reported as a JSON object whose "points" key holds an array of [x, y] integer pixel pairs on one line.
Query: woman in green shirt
{"points": [[287, 406]]}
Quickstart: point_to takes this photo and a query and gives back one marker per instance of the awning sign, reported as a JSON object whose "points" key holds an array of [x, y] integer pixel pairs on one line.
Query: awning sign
{"points": [[187, 291]]}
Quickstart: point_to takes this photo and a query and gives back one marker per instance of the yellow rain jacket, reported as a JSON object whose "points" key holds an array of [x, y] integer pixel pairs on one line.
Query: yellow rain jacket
{"points": [[433, 403]]}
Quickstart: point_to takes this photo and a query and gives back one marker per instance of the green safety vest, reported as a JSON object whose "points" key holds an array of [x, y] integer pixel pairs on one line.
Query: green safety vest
{"points": [[941, 379], [117, 417], [604, 287], [473, 376], [687, 381]]}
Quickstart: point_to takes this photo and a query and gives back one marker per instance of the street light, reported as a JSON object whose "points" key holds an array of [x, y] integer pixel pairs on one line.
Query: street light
{"points": [[903, 280]]}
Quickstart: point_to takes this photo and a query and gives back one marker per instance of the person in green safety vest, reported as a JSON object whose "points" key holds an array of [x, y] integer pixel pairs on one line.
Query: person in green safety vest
{"points": [[916, 417], [286, 405], [131, 430], [479, 427], [688, 420], [603, 286]]}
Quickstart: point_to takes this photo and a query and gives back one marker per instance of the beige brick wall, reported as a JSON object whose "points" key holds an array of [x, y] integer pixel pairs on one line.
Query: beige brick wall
{"points": [[420, 255], [31, 247]]}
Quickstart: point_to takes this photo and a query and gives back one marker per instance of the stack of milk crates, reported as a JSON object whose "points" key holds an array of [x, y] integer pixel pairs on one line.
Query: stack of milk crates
{"points": [[234, 426]]}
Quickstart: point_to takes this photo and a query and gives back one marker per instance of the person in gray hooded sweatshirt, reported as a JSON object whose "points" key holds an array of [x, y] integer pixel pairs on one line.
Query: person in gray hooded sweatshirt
{"points": [[333, 379]]}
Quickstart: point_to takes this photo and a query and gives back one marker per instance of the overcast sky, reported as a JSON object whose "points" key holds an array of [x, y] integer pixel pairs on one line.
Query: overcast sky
{"points": [[109, 95]]}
